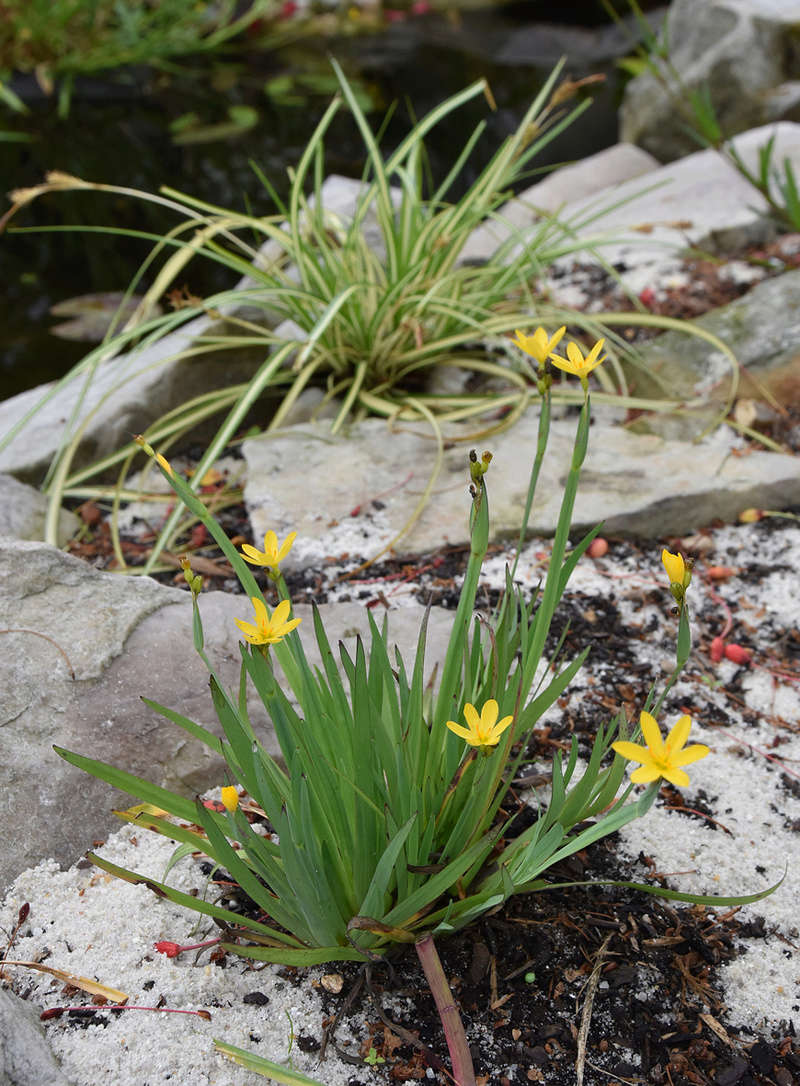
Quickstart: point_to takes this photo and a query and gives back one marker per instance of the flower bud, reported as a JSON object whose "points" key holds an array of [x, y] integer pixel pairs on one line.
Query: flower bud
{"points": [[143, 445], [230, 797], [478, 468]]}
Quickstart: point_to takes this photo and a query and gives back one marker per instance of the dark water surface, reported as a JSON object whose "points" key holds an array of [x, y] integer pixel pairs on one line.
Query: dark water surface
{"points": [[118, 132]]}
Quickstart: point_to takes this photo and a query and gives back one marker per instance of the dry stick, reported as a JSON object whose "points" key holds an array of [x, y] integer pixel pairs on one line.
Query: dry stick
{"points": [[434, 1061], [44, 637], [586, 1016], [463, 1071]]}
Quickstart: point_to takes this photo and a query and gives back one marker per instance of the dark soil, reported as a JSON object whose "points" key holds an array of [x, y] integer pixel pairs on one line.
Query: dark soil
{"points": [[523, 979]]}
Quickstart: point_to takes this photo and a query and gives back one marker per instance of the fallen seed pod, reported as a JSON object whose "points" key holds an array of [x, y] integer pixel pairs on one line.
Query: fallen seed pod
{"points": [[737, 654], [597, 548], [720, 573]]}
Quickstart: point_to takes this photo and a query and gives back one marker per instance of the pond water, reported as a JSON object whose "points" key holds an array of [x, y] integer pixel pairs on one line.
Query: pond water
{"points": [[133, 130]]}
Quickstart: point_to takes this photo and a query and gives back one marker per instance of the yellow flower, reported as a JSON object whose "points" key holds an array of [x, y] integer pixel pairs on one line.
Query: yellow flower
{"points": [[230, 798], [680, 576], [662, 758], [675, 567], [578, 364], [538, 346], [272, 555], [483, 731], [268, 630]]}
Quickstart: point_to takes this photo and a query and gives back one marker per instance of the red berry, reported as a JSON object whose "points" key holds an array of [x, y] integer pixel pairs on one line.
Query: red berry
{"points": [[720, 573], [717, 650], [737, 654], [597, 548]]}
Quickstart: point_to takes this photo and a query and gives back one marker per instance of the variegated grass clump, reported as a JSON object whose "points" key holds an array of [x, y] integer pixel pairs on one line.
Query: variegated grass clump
{"points": [[368, 315]]}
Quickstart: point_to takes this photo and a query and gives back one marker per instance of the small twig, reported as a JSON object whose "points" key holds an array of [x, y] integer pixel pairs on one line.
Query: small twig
{"points": [[615, 1078], [56, 1012], [55, 644], [586, 1015], [700, 814], [354, 512], [329, 1030], [410, 1038], [22, 916], [765, 754], [661, 875]]}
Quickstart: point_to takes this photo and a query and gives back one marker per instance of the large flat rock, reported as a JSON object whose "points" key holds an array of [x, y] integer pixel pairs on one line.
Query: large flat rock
{"points": [[80, 650], [641, 225], [762, 327], [355, 493], [122, 397], [742, 52], [23, 510]]}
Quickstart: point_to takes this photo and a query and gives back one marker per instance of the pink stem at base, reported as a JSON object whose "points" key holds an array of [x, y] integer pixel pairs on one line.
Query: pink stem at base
{"points": [[463, 1071]]}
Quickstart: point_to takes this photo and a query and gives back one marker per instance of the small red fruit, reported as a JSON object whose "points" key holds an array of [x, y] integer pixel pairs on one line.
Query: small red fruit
{"points": [[717, 650], [597, 548], [737, 654], [720, 573]]}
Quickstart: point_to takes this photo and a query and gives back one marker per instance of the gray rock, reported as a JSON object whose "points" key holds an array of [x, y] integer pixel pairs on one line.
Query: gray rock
{"points": [[23, 510], [123, 397], [644, 226], [121, 638], [584, 179], [128, 393], [783, 103], [636, 484], [762, 327], [25, 1056], [743, 50]]}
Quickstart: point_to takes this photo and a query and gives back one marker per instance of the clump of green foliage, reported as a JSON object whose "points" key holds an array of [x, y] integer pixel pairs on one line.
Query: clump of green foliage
{"points": [[59, 39]]}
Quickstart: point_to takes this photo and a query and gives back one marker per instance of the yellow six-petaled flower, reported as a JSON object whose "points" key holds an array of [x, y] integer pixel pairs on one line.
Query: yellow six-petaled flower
{"points": [[538, 346], [577, 363], [272, 555], [662, 758], [268, 629], [482, 731]]}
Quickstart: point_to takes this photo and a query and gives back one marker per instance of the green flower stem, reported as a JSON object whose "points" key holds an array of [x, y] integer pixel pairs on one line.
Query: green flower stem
{"points": [[447, 701], [463, 1071], [541, 446], [553, 587], [684, 648]]}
